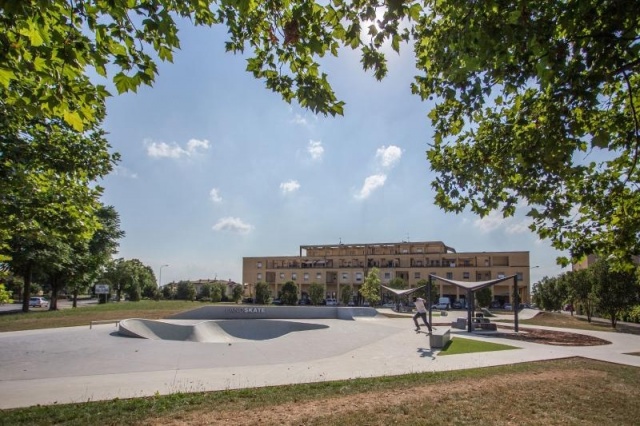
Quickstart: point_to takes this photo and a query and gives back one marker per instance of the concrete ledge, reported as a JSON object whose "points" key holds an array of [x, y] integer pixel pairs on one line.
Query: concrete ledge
{"points": [[275, 312], [439, 337]]}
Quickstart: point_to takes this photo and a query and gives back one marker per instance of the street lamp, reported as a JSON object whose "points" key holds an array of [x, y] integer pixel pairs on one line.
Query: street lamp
{"points": [[160, 276]]}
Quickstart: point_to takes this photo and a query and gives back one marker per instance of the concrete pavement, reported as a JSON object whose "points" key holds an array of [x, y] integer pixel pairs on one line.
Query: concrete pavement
{"points": [[78, 364]]}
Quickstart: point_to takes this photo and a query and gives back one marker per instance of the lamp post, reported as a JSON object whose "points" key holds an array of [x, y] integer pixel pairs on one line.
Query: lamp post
{"points": [[160, 276]]}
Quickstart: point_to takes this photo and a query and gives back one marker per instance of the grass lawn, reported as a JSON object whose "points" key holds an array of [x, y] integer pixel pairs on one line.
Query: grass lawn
{"points": [[459, 345], [555, 319], [70, 317], [572, 391]]}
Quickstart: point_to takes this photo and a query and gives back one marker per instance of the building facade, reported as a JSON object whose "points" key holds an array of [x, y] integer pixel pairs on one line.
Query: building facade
{"points": [[339, 265]]}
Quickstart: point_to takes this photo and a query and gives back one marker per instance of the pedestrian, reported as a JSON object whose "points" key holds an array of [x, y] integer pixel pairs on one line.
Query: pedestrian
{"points": [[421, 312]]}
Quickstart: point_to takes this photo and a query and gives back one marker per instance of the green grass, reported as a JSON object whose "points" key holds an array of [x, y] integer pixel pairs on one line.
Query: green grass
{"points": [[459, 345], [555, 319], [83, 315], [548, 392]]}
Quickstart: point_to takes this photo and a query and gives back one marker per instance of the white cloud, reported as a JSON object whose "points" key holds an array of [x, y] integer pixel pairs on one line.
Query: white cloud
{"points": [[124, 172], [388, 156], [371, 183], [290, 186], [163, 149], [232, 224], [495, 220], [316, 150], [215, 195], [298, 119], [521, 227]]}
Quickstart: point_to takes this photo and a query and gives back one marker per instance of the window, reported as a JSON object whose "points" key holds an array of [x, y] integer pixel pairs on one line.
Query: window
{"points": [[294, 276], [519, 276], [358, 276], [306, 276], [318, 275], [259, 265], [416, 275], [449, 275], [259, 276], [387, 275], [500, 274], [345, 276], [282, 275], [465, 275]]}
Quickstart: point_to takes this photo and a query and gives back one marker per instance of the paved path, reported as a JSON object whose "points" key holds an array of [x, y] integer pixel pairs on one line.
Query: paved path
{"points": [[78, 364]]}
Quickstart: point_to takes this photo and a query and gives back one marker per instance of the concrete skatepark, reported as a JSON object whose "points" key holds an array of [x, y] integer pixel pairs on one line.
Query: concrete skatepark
{"points": [[270, 347]]}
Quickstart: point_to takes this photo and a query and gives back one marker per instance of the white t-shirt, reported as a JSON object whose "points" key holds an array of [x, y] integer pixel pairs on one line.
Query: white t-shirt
{"points": [[420, 305]]}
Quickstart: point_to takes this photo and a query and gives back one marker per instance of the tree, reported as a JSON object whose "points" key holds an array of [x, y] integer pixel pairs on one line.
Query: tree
{"points": [[346, 294], [131, 277], [88, 264], [582, 291], [370, 289], [263, 295], [48, 198], [5, 296], [236, 293], [483, 297], [617, 290], [289, 293], [523, 92], [169, 292], [186, 291], [205, 291], [316, 293], [216, 293], [435, 291]]}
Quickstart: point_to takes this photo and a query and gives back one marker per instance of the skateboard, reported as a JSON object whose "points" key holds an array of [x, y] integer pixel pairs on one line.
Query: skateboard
{"points": [[424, 331]]}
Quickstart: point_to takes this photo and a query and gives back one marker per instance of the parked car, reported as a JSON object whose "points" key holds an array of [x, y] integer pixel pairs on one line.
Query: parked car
{"points": [[456, 305], [304, 301], [332, 302], [440, 306], [276, 302], [38, 302], [494, 305], [507, 307]]}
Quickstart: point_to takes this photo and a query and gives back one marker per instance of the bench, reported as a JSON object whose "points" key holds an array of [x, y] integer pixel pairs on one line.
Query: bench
{"points": [[439, 337], [92, 323]]}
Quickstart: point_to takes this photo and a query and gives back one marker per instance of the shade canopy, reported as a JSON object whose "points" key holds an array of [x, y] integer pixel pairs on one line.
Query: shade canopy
{"points": [[472, 285], [402, 292]]}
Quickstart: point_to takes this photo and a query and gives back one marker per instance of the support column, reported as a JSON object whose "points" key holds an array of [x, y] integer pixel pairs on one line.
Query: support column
{"points": [[515, 303], [429, 299], [470, 309]]}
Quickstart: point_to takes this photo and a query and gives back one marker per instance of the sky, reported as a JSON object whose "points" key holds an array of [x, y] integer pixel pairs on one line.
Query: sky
{"points": [[216, 167]]}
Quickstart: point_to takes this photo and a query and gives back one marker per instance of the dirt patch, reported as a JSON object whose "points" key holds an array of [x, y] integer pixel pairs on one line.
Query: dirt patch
{"points": [[551, 337], [301, 413]]}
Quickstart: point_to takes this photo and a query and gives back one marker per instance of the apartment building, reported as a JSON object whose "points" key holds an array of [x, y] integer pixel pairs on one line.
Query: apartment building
{"points": [[339, 265]]}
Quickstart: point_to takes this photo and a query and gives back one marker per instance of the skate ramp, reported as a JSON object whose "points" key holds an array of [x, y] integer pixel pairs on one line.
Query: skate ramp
{"points": [[221, 331]]}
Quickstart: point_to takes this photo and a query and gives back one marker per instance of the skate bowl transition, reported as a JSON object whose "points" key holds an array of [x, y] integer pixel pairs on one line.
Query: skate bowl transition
{"points": [[226, 324]]}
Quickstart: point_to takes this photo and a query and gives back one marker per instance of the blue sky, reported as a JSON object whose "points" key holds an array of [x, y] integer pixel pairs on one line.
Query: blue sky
{"points": [[215, 167]]}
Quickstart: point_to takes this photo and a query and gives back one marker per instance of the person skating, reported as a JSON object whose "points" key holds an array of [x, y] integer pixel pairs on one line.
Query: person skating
{"points": [[421, 312]]}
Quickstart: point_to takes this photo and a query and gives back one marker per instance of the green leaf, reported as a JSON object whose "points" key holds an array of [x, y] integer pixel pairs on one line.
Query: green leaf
{"points": [[6, 76], [74, 120]]}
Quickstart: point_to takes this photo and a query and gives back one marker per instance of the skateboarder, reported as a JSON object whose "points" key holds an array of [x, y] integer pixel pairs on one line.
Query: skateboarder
{"points": [[421, 312]]}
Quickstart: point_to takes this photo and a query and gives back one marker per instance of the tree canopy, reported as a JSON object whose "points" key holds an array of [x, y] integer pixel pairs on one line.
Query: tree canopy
{"points": [[536, 103]]}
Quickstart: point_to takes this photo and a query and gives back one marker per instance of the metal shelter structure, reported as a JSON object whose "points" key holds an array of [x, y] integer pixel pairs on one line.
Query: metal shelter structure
{"points": [[471, 287]]}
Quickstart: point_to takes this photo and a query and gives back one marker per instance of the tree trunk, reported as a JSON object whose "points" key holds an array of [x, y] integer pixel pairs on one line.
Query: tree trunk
{"points": [[27, 288], [75, 297], [53, 303]]}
